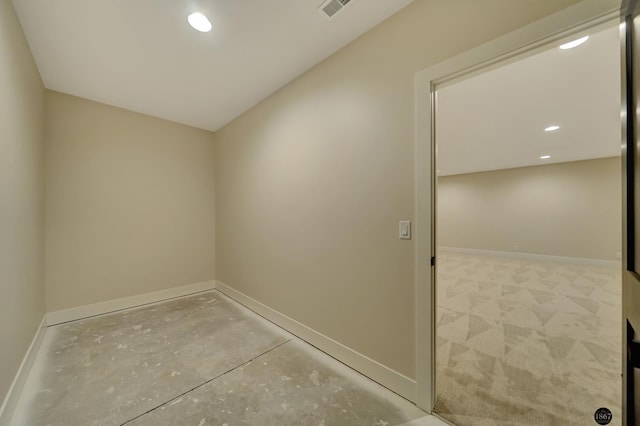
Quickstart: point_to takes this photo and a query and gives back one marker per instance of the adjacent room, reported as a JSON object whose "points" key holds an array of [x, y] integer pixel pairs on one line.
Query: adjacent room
{"points": [[200, 202], [529, 235]]}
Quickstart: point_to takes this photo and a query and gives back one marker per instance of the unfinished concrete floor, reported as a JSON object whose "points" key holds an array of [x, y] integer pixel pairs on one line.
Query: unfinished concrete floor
{"points": [[199, 360]]}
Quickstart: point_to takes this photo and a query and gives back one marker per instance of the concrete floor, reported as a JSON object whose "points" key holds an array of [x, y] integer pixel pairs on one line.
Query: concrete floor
{"points": [[199, 360]]}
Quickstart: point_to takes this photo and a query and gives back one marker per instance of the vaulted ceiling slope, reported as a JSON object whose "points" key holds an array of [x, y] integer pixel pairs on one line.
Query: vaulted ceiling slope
{"points": [[143, 56]]}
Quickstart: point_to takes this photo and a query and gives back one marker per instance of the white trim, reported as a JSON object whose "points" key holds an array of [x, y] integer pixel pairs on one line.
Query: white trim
{"points": [[424, 249], [533, 256], [430, 420], [11, 399], [585, 15], [100, 308], [397, 382]]}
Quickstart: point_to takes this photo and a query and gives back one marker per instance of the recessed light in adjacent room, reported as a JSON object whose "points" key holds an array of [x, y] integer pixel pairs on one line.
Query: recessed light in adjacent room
{"points": [[199, 22], [544, 157], [574, 43], [551, 128]]}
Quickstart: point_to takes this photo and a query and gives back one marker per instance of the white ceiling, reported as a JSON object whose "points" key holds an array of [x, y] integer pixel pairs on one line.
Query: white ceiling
{"points": [[143, 56], [496, 120]]}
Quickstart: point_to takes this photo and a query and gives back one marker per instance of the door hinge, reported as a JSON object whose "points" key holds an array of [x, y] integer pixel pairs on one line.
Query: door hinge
{"points": [[433, 261]]}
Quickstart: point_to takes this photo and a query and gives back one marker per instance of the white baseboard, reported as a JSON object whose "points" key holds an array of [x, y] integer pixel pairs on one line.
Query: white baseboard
{"points": [[532, 256], [399, 383], [86, 311], [11, 399]]}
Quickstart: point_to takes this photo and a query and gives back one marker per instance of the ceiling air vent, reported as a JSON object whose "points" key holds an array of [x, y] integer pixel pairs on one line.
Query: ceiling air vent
{"points": [[331, 7]]}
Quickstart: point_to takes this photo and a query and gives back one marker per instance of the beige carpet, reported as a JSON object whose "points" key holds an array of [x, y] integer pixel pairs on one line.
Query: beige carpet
{"points": [[526, 342]]}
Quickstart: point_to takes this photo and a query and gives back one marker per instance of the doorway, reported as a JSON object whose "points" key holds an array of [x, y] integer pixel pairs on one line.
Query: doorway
{"points": [[528, 241]]}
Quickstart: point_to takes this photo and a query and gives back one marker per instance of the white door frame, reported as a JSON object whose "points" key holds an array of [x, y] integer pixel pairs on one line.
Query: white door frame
{"points": [[530, 39]]}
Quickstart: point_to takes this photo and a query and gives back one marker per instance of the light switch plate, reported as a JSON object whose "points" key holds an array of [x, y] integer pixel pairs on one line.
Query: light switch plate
{"points": [[405, 230]]}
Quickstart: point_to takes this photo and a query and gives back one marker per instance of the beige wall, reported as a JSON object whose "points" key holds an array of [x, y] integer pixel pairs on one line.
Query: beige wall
{"points": [[311, 183], [566, 209], [21, 197], [129, 203]]}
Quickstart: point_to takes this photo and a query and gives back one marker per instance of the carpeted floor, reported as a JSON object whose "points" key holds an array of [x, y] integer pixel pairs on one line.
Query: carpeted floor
{"points": [[526, 342]]}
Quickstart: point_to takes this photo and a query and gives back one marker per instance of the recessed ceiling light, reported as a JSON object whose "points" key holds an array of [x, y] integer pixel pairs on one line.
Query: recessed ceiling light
{"points": [[574, 43], [544, 157], [551, 128], [200, 22]]}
